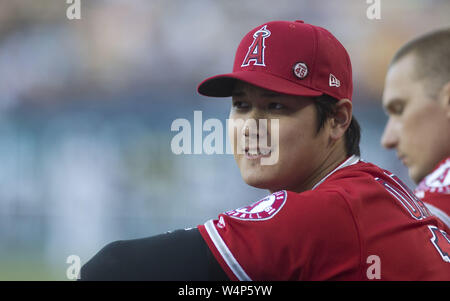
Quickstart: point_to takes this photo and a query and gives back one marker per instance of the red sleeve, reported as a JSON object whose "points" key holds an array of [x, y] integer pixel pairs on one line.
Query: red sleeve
{"points": [[286, 236]]}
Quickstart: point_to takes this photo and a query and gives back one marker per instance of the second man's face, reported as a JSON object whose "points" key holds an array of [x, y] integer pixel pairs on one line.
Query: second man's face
{"points": [[417, 127]]}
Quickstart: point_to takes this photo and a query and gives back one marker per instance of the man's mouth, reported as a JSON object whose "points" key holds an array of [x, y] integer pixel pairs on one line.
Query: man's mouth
{"points": [[257, 153]]}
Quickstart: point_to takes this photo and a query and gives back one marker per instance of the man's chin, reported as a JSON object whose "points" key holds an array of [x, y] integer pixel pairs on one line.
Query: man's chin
{"points": [[415, 174], [261, 183]]}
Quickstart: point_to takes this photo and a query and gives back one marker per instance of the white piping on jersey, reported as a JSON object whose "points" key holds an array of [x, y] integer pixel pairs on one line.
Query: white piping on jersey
{"points": [[350, 161], [225, 252], [439, 213]]}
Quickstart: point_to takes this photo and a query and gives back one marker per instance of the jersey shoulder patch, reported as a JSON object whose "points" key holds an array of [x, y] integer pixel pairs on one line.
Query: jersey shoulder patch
{"points": [[263, 209]]}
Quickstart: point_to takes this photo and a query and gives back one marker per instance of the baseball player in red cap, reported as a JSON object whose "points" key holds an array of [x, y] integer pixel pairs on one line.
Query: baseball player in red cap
{"points": [[329, 215], [417, 101]]}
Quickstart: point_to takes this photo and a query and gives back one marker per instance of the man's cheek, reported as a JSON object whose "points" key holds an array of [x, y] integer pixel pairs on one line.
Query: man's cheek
{"points": [[274, 144]]}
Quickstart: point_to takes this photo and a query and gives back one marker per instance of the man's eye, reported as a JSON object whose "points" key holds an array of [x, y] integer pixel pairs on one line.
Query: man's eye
{"points": [[276, 106], [240, 104]]}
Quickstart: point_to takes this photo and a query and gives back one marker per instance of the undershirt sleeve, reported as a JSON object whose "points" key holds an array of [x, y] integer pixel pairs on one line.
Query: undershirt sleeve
{"points": [[181, 255]]}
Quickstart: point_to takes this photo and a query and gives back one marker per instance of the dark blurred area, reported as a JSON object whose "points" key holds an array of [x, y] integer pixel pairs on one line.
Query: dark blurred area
{"points": [[86, 108]]}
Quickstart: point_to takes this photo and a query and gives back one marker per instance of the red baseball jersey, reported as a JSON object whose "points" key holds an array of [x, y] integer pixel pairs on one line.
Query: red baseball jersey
{"points": [[434, 190], [358, 223]]}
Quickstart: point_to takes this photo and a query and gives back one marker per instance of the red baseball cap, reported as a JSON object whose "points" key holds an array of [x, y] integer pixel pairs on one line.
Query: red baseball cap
{"points": [[287, 57]]}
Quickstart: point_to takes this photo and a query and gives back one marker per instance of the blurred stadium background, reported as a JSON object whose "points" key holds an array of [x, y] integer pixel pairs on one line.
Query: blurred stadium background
{"points": [[86, 107]]}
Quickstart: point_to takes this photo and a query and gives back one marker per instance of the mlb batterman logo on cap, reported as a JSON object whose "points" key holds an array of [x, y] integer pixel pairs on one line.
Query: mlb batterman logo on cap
{"points": [[288, 57]]}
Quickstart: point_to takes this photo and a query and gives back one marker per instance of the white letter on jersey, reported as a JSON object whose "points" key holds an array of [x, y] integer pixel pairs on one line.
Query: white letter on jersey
{"points": [[374, 270]]}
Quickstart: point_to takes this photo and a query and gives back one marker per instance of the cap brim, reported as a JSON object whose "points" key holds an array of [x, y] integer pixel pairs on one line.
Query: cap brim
{"points": [[222, 85]]}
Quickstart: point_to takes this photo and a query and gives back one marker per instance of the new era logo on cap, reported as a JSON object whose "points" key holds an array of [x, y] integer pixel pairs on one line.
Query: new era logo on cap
{"points": [[333, 81]]}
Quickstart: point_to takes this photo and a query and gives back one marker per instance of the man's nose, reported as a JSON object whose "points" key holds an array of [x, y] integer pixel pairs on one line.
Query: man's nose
{"points": [[255, 125], [251, 128], [390, 136]]}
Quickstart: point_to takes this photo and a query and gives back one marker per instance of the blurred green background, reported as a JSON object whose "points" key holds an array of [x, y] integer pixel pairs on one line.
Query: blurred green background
{"points": [[86, 107]]}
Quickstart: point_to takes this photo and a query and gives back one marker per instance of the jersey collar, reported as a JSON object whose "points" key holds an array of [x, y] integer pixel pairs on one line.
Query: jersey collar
{"points": [[350, 161]]}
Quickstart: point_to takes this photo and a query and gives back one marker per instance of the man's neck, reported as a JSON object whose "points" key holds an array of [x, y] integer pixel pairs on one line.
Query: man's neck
{"points": [[330, 163]]}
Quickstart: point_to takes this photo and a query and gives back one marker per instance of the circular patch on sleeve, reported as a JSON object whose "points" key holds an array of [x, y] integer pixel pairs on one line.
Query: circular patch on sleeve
{"points": [[263, 209]]}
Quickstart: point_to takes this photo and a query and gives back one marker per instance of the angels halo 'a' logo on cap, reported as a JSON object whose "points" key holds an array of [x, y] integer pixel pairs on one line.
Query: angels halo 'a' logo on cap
{"points": [[255, 52], [300, 70]]}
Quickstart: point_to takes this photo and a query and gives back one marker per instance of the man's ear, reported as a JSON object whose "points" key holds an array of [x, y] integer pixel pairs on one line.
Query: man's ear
{"points": [[341, 118], [444, 98]]}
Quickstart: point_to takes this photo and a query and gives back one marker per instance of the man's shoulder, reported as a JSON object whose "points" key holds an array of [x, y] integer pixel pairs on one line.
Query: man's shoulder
{"points": [[362, 176], [357, 181], [364, 184], [360, 169]]}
